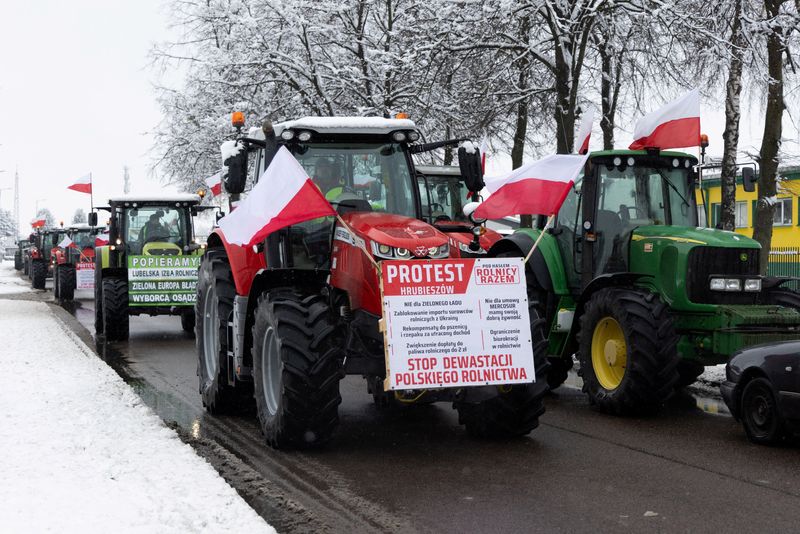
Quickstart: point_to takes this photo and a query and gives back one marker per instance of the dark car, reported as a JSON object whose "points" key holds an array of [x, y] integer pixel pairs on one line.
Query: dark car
{"points": [[762, 390]]}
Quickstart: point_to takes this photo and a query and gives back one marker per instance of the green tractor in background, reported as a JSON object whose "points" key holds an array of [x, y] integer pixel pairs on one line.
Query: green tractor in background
{"points": [[150, 264], [628, 281]]}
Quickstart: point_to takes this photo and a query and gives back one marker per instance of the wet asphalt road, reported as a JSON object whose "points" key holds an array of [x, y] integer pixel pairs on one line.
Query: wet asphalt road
{"points": [[414, 469]]}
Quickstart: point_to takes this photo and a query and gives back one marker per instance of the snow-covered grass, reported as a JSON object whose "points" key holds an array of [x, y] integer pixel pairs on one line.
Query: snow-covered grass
{"points": [[81, 453], [10, 281]]}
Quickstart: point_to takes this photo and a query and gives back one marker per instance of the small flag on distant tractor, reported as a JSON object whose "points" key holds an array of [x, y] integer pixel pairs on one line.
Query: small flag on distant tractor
{"points": [[283, 196], [536, 188], [66, 242], [214, 183], [584, 133], [676, 125], [82, 184], [38, 223], [101, 240]]}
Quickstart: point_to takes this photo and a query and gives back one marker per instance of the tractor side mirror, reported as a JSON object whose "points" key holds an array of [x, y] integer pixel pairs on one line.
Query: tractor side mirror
{"points": [[234, 158], [749, 179], [469, 162], [92, 218]]}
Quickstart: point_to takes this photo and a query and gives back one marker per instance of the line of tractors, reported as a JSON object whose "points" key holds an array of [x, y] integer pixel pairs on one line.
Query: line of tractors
{"points": [[625, 282]]}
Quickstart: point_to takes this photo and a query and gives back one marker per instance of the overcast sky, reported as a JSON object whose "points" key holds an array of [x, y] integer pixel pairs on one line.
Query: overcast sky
{"points": [[76, 97]]}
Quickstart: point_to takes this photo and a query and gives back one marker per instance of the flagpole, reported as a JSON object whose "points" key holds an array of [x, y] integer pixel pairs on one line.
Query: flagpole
{"points": [[541, 235], [91, 194]]}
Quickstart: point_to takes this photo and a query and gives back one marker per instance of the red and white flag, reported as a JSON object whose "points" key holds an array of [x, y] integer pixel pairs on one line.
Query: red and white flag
{"points": [[38, 223], [584, 133], [536, 188], [66, 242], [214, 183], [283, 196], [676, 125], [101, 240], [483, 149], [82, 184]]}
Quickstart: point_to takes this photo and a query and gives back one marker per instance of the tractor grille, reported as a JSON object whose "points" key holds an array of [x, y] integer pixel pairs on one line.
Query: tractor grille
{"points": [[729, 262]]}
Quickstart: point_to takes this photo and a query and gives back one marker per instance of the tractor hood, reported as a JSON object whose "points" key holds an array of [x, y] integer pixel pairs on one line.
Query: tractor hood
{"points": [[395, 230], [693, 236], [461, 232]]}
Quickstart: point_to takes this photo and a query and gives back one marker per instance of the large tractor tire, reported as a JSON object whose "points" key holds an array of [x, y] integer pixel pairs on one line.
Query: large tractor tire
{"points": [[788, 298], [38, 274], [188, 321], [18, 261], [627, 351], [56, 280], [215, 293], [514, 410], [297, 366], [116, 321], [67, 283], [559, 368]]}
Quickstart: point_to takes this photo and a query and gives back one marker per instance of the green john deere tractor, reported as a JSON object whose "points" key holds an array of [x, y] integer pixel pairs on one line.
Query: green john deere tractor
{"points": [[628, 281], [150, 265]]}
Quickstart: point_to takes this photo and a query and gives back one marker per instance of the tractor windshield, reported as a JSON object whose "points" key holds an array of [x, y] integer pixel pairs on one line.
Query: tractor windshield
{"points": [[368, 176], [161, 225], [443, 198], [83, 239]]}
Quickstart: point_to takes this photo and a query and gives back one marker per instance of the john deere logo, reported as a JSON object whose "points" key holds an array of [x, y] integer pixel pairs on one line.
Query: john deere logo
{"points": [[743, 256]]}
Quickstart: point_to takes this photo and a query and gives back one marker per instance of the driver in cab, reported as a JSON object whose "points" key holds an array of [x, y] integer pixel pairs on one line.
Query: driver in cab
{"points": [[154, 228], [328, 177]]}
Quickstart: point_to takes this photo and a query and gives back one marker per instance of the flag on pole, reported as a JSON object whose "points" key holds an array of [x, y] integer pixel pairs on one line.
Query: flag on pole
{"points": [[38, 223], [82, 184], [214, 183], [584, 133], [484, 147], [536, 188], [101, 240], [284, 195], [66, 242], [676, 125]]}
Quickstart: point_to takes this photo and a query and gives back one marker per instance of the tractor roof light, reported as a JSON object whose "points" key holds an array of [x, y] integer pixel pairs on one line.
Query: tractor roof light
{"points": [[287, 135], [413, 135], [304, 136], [401, 115], [703, 140], [237, 119], [399, 136]]}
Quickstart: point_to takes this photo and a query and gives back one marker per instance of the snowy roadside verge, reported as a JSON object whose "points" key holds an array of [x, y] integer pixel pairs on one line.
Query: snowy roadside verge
{"points": [[12, 283], [81, 452]]}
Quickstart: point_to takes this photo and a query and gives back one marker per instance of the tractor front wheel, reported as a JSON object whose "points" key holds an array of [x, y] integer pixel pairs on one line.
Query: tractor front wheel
{"points": [[67, 283], [297, 366], [188, 321], [788, 298], [214, 308], [627, 351], [115, 309], [38, 274], [56, 281], [17, 261], [515, 409]]}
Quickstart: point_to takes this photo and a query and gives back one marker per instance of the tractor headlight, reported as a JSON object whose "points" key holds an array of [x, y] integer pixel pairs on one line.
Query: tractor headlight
{"points": [[733, 284], [464, 247], [437, 253], [385, 250], [402, 252], [717, 284], [752, 284]]}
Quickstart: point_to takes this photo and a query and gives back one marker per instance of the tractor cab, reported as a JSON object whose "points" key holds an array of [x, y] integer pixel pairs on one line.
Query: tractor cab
{"points": [[149, 226], [444, 193]]}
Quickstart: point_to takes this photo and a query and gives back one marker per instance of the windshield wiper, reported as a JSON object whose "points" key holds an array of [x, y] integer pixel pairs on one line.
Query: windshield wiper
{"points": [[669, 183]]}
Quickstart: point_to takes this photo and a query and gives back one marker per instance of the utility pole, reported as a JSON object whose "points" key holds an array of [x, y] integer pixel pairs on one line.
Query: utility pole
{"points": [[127, 176], [16, 199]]}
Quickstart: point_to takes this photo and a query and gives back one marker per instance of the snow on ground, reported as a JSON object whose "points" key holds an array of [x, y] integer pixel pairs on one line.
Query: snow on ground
{"points": [[81, 453], [10, 281]]}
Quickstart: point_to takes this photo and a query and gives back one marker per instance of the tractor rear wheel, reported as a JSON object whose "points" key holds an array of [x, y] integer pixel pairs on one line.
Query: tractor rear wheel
{"points": [[18, 261], [115, 309], [214, 308], [297, 366], [56, 280], [627, 350], [760, 415], [38, 274], [67, 283], [515, 410], [188, 321]]}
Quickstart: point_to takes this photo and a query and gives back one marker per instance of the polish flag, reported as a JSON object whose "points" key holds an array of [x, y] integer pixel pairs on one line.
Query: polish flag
{"points": [[38, 223], [284, 195], [584, 132], [214, 183], [676, 125], [66, 242], [536, 188], [101, 240], [82, 185]]}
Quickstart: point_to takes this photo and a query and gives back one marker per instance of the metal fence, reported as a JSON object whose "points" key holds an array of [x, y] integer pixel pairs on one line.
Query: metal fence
{"points": [[785, 261]]}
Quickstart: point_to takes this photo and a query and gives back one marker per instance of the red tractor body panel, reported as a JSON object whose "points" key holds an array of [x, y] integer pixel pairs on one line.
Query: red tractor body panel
{"points": [[465, 238]]}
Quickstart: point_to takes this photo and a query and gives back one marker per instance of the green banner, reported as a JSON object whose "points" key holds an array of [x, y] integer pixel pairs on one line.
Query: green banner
{"points": [[162, 280]]}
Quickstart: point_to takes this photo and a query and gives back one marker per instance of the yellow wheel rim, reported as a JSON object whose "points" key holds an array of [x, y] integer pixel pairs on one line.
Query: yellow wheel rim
{"points": [[609, 353]]}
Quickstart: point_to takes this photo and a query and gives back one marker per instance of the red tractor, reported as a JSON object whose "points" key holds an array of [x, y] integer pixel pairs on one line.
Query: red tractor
{"points": [[444, 194], [43, 242], [66, 259], [286, 320]]}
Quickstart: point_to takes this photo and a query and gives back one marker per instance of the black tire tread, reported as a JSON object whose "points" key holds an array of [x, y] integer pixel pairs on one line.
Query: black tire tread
{"points": [[116, 321], [308, 410], [67, 283], [651, 340], [38, 274]]}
